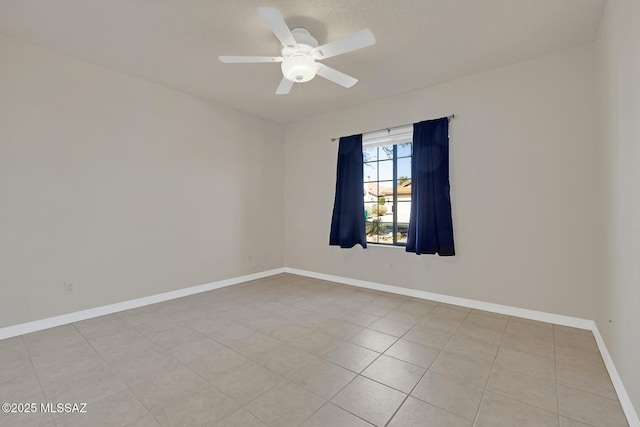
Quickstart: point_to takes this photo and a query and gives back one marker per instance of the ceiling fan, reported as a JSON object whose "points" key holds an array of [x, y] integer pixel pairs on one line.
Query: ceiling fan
{"points": [[301, 53]]}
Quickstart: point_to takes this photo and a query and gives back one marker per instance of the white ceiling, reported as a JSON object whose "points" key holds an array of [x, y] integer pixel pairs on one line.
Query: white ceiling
{"points": [[419, 42]]}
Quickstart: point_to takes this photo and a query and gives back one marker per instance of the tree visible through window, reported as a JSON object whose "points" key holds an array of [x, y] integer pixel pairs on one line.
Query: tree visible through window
{"points": [[387, 193]]}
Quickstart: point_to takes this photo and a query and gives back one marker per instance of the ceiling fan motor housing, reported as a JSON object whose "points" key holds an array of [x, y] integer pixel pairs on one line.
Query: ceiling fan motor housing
{"points": [[298, 65]]}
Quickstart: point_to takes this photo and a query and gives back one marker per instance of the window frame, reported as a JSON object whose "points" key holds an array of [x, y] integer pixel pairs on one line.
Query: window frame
{"points": [[394, 137]]}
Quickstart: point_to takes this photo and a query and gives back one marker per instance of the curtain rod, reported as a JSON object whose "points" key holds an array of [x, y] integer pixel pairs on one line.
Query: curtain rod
{"points": [[451, 116]]}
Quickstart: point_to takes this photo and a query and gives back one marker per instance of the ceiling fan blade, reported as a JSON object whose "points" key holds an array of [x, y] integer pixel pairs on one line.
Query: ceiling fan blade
{"points": [[276, 22], [284, 87], [355, 41], [336, 76], [249, 59]]}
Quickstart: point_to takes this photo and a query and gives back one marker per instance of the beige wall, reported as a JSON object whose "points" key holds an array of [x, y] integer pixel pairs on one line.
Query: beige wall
{"points": [[526, 191], [618, 295], [124, 188]]}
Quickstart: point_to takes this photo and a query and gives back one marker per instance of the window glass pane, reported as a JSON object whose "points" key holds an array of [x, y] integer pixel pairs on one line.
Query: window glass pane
{"points": [[385, 152], [370, 171], [403, 212], [386, 190], [404, 167], [404, 189], [371, 192], [380, 210], [404, 150], [370, 211], [385, 170], [370, 154]]}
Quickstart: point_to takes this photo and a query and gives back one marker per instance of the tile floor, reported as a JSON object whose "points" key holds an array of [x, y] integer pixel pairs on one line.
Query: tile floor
{"points": [[294, 351]]}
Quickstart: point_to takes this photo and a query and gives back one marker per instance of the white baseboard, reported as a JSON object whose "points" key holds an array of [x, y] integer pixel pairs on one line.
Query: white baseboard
{"points": [[542, 316], [623, 396], [38, 325]]}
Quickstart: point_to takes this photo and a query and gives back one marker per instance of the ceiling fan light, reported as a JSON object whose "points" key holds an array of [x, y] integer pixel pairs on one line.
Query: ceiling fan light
{"points": [[299, 69]]}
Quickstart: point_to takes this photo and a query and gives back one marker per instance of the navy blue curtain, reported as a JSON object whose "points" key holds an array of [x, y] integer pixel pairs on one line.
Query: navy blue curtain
{"points": [[430, 223], [348, 223]]}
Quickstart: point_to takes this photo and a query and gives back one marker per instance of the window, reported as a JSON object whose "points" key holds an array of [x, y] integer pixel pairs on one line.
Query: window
{"points": [[387, 185]]}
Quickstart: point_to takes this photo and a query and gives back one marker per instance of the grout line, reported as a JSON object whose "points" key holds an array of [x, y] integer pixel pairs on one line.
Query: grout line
{"points": [[484, 390]]}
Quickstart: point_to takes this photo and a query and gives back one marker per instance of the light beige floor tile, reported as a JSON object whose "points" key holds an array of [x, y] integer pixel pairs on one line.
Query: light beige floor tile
{"points": [[15, 368], [286, 359], [568, 422], [499, 411], [315, 342], [49, 339], [190, 351], [394, 373], [37, 419], [54, 356], [255, 346], [351, 356], [535, 391], [479, 333], [588, 360], [390, 327], [146, 421], [119, 409], [164, 389], [92, 328], [414, 413], [526, 363], [322, 378], [472, 370], [69, 371], [290, 331], [340, 328], [454, 307], [414, 353], [361, 319], [581, 342], [453, 395], [171, 335], [246, 383], [571, 330], [487, 320], [98, 385], [530, 329], [373, 340], [369, 400], [444, 319], [286, 323], [143, 366], [199, 409], [590, 408], [594, 381], [285, 405], [12, 348], [331, 415], [122, 344], [21, 389], [241, 418], [531, 345], [429, 337], [472, 347], [411, 311]]}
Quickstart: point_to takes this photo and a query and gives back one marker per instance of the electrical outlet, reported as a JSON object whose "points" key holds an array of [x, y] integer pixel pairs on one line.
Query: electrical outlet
{"points": [[69, 288], [249, 259]]}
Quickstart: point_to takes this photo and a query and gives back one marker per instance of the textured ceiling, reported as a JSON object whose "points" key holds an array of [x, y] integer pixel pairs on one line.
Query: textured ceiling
{"points": [[419, 42]]}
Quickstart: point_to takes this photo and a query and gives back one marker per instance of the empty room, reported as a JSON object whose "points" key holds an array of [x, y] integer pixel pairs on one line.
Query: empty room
{"points": [[319, 213]]}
